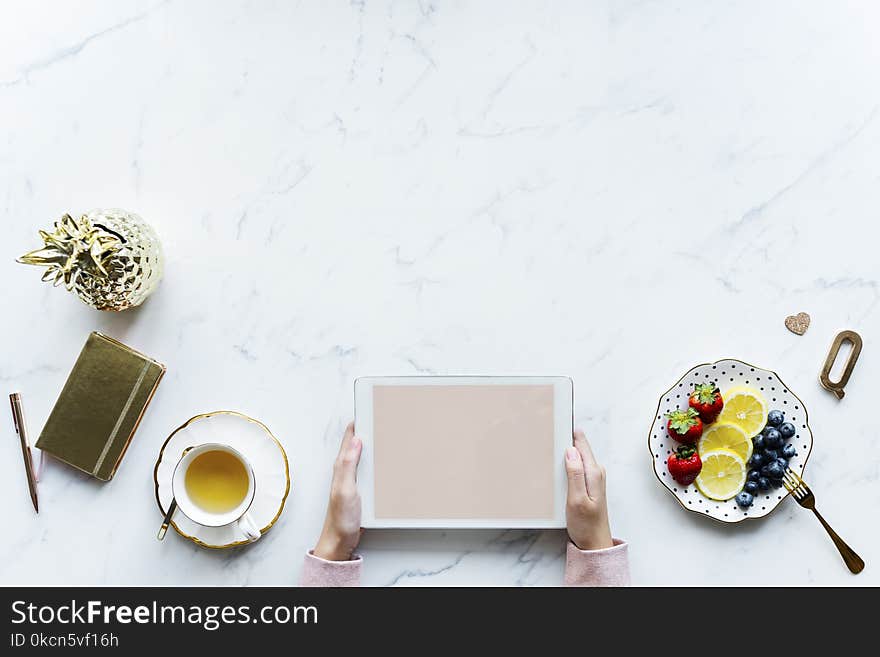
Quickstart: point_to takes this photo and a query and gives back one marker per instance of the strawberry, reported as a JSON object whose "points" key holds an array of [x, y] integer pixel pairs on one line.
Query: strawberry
{"points": [[706, 400], [685, 426], [684, 465]]}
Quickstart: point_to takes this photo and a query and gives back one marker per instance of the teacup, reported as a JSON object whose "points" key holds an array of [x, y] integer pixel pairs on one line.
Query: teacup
{"points": [[214, 486]]}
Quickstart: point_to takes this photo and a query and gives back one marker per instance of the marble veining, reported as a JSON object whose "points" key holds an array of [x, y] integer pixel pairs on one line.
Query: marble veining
{"points": [[615, 191]]}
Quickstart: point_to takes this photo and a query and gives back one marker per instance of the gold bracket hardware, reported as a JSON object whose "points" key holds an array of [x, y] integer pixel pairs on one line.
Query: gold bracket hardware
{"points": [[824, 378]]}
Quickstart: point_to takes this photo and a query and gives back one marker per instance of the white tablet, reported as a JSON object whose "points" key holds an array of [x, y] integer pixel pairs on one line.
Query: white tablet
{"points": [[463, 451]]}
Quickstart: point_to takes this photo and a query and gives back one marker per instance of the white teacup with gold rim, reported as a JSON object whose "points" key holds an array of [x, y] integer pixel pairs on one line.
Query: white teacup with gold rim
{"points": [[214, 486]]}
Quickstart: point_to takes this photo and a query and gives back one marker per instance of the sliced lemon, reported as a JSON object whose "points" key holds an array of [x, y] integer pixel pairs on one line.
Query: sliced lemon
{"points": [[723, 474], [745, 407], [722, 435]]}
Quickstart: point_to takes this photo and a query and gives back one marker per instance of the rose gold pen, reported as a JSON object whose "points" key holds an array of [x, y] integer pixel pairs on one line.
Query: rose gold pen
{"points": [[21, 430]]}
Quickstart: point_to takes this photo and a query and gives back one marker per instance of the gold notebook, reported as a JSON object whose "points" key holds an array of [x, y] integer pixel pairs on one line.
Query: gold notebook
{"points": [[100, 406]]}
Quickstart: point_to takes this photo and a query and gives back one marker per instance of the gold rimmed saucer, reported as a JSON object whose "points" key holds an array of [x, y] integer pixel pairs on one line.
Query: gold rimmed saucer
{"points": [[262, 449]]}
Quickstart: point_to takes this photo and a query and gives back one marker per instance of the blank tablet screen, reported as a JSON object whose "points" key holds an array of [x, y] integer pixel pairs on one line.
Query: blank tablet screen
{"points": [[464, 451]]}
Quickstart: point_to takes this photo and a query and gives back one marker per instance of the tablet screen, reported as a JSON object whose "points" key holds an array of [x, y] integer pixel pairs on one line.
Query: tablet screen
{"points": [[464, 451]]}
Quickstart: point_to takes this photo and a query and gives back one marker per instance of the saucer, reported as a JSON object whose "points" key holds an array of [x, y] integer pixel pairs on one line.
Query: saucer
{"points": [[254, 440]]}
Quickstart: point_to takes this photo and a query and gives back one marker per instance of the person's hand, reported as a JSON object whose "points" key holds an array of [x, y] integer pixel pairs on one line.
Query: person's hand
{"points": [[586, 512], [342, 526]]}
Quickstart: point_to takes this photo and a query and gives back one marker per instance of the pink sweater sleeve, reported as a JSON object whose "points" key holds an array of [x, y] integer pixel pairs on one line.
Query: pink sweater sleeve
{"points": [[608, 567], [320, 572]]}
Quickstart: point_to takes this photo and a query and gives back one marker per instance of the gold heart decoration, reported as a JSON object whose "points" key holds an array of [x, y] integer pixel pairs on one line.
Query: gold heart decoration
{"points": [[798, 323]]}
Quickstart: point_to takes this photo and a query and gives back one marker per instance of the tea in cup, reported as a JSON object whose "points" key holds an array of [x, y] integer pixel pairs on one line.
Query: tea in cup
{"points": [[214, 486]]}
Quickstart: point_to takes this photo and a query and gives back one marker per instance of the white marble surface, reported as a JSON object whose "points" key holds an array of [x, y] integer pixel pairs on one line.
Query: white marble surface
{"points": [[448, 187]]}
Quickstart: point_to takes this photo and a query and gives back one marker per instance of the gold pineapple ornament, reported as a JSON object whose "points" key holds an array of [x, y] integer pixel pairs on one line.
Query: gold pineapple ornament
{"points": [[112, 259]]}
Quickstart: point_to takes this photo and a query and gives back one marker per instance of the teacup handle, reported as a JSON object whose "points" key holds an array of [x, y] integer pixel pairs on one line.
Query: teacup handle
{"points": [[247, 525]]}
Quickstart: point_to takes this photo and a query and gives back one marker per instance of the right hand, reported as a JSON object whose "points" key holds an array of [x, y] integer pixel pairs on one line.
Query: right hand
{"points": [[586, 511]]}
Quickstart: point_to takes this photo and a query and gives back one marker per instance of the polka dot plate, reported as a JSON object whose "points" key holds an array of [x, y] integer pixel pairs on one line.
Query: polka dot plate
{"points": [[726, 374]]}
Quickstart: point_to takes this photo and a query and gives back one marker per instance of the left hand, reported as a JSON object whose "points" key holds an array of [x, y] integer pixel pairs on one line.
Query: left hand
{"points": [[342, 524]]}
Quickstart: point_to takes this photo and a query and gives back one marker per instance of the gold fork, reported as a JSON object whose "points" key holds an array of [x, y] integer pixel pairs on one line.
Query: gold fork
{"points": [[804, 496]]}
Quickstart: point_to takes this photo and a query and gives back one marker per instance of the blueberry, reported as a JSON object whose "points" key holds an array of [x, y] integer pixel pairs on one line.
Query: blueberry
{"points": [[758, 441], [770, 455], [776, 483], [754, 475], [787, 430], [751, 487], [756, 461], [773, 470], [775, 418], [788, 451], [744, 499], [763, 483], [783, 462], [772, 438]]}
